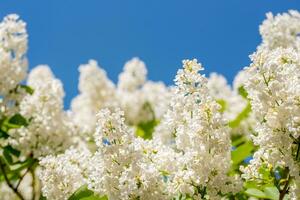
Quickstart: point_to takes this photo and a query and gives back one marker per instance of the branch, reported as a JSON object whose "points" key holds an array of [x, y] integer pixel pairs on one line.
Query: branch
{"points": [[285, 189], [2, 165], [33, 183], [22, 177]]}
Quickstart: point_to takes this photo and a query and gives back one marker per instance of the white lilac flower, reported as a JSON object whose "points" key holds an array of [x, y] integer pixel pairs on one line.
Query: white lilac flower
{"points": [[158, 96], [62, 175], [121, 167], [129, 94], [13, 47], [281, 30], [201, 137], [49, 129], [133, 76], [141, 100], [274, 90], [13, 63], [96, 92]]}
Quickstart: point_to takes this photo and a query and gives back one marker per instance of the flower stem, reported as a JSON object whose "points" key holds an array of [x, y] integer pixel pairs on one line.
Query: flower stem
{"points": [[15, 189], [285, 189]]}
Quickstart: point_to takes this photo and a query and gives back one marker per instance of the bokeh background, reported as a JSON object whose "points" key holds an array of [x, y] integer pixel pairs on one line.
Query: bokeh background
{"points": [[66, 33]]}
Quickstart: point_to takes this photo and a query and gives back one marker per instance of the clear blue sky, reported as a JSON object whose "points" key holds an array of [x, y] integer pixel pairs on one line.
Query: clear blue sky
{"points": [[65, 33]]}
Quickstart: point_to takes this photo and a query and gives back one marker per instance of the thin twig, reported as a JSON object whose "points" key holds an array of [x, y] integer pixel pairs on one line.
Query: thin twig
{"points": [[8, 182], [285, 189], [298, 151], [33, 184], [21, 178]]}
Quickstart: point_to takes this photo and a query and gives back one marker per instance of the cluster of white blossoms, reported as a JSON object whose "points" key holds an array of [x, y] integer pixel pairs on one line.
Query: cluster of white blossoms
{"points": [[122, 161], [141, 140], [274, 90], [273, 85], [127, 167], [13, 62], [13, 47], [200, 136], [49, 129], [141, 100], [96, 92], [62, 175], [281, 30]]}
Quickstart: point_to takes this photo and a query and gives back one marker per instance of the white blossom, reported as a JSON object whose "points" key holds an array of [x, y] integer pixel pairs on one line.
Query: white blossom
{"points": [[49, 129], [200, 134], [133, 76], [62, 175], [122, 162], [281, 30], [13, 47], [274, 89], [96, 92]]}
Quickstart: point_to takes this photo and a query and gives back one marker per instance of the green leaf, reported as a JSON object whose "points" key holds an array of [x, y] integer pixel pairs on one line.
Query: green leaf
{"points": [[242, 152], [272, 193], [243, 92], [237, 140], [42, 198], [95, 198], [255, 193], [28, 89], [145, 129], [252, 184], [223, 104], [83, 193], [16, 167], [182, 197], [8, 158], [243, 115], [12, 151], [3, 134], [17, 121], [9, 152]]}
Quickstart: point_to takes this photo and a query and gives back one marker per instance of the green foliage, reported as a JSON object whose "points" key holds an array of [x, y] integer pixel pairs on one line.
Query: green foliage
{"points": [[242, 152], [145, 129], [13, 122], [7, 123], [28, 89], [3, 134], [17, 121], [42, 198], [182, 197], [245, 112], [268, 186], [223, 104], [13, 167], [83, 193], [9, 153], [242, 148], [20, 165], [272, 192], [266, 193], [241, 116], [242, 91]]}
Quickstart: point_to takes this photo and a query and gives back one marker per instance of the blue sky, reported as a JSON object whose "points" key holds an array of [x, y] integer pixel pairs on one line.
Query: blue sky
{"points": [[65, 33]]}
